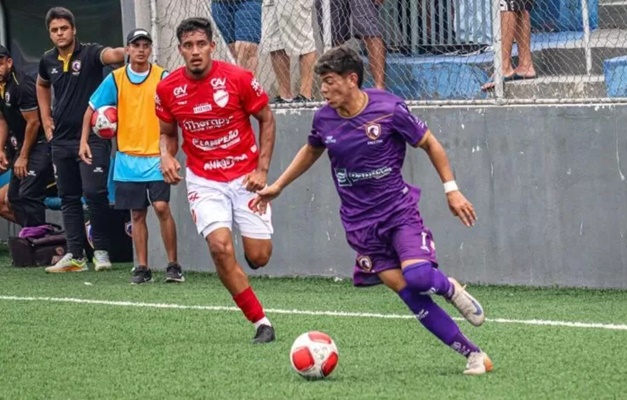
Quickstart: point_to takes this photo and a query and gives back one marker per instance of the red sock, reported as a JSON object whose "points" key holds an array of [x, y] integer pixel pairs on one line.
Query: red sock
{"points": [[248, 302]]}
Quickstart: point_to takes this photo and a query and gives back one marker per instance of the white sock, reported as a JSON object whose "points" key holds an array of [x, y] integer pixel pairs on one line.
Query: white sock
{"points": [[262, 321]]}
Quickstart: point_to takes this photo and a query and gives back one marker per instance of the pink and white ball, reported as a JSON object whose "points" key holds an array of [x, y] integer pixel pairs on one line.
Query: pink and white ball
{"points": [[314, 355], [104, 122]]}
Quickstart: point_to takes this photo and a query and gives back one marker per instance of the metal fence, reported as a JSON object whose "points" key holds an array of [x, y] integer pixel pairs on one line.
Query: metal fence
{"points": [[433, 51]]}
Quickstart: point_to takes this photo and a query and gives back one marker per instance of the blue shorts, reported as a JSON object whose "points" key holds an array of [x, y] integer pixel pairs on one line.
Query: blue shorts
{"points": [[238, 20], [385, 244]]}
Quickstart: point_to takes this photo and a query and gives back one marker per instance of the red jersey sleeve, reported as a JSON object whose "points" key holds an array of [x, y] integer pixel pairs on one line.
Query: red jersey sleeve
{"points": [[162, 104], [254, 98]]}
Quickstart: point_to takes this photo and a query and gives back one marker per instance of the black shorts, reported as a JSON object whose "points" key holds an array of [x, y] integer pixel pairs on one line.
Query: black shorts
{"points": [[139, 195], [516, 5]]}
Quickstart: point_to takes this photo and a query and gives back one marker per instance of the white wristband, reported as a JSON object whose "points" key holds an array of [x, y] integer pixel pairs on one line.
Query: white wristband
{"points": [[450, 186]]}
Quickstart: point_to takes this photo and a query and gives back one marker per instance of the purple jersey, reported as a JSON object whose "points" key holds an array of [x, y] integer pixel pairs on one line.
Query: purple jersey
{"points": [[367, 153]]}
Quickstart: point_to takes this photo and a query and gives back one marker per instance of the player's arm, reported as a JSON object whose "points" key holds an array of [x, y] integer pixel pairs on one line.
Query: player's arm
{"points": [[267, 136], [304, 159], [459, 206], [168, 139], [44, 99], [105, 95], [4, 134], [112, 56], [27, 103]]}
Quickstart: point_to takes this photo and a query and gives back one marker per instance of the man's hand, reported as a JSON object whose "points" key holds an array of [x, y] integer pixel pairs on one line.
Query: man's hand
{"points": [[20, 168], [264, 196], [170, 168], [460, 207], [49, 128], [84, 152], [4, 161], [255, 181]]}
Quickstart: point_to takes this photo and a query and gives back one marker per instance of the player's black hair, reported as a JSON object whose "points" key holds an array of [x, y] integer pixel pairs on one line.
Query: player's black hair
{"points": [[194, 24], [60, 13], [341, 60]]}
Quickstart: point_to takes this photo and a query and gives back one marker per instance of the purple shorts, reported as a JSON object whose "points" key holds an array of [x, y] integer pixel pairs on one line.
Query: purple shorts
{"points": [[385, 244]]}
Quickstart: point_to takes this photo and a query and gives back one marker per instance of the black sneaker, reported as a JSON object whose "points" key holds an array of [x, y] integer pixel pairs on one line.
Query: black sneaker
{"points": [[279, 100], [174, 273], [302, 99], [265, 334], [141, 274]]}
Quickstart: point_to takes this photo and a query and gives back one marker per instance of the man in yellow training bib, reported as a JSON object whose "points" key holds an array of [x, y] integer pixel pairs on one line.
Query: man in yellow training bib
{"points": [[138, 179]]}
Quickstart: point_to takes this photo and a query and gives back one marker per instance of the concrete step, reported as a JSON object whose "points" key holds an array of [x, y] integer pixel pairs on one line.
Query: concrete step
{"points": [[570, 57], [557, 87], [613, 14]]}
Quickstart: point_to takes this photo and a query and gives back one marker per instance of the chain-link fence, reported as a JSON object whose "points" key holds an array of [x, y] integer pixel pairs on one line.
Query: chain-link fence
{"points": [[424, 50]]}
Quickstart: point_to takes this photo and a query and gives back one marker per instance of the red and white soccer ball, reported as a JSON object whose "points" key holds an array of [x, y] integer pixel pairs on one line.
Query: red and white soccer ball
{"points": [[314, 355], [104, 122]]}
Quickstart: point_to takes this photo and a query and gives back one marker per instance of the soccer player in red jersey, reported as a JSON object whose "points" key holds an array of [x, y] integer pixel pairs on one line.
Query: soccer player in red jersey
{"points": [[212, 101]]}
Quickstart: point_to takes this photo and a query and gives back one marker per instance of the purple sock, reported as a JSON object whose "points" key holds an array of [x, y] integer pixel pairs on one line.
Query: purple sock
{"points": [[424, 278], [437, 321]]}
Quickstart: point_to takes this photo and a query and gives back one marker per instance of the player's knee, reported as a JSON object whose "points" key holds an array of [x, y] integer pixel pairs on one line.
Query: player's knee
{"points": [[138, 216], [220, 249], [259, 257], [162, 209], [419, 277], [95, 194]]}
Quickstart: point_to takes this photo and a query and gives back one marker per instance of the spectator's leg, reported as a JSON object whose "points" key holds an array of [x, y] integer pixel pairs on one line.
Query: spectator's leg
{"points": [[366, 23], [222, 14], [523, 39], [281, 65], [508, 29], [295, 21], [247, 22], [307, 62]]}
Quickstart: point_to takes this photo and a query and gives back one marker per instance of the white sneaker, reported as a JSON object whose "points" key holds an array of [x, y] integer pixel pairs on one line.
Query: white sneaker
{"points": [[478, 364], [68, 264], [101, 260], [467, 305]]}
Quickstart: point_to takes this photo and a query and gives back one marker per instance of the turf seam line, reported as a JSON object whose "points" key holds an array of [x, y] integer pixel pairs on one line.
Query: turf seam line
{"points": [[538, 322]]}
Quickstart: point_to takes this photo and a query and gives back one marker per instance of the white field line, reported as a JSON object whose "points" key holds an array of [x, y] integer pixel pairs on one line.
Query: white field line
{"points": [[346, 314]]}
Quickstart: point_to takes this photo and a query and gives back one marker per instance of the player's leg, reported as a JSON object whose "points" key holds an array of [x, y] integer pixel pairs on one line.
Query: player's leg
{"points": [[13, 198], [70, 188], [159, 195], [95, 179], [5, 207], [437, 321], [416, 250], [212, 211], [32, 188], [133, 196], [248, 33]]}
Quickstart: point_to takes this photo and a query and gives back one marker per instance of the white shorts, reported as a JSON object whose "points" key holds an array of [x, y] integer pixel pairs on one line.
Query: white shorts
{"points": [[288, 25], [215, 205]]}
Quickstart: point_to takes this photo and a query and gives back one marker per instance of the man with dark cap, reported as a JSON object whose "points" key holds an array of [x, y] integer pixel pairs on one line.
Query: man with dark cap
{"points": [[138, 179]]}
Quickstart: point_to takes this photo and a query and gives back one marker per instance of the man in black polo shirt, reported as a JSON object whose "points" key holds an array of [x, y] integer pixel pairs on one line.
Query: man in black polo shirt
{"points": [[74, 70], [32, 168]]}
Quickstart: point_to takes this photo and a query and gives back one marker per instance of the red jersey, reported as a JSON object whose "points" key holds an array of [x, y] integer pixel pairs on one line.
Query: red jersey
{"points": [[214, 115]]}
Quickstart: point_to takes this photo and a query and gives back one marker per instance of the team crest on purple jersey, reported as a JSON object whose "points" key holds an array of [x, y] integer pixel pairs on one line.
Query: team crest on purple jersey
{"points": [[364, 263], [373, 131]]}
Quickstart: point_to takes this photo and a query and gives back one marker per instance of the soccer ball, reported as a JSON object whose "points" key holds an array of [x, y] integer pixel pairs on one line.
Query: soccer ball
{"points": [[314, 355], [104, 122]]}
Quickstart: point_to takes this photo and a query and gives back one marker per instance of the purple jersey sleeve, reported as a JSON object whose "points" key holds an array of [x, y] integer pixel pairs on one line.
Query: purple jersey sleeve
{"points": [[406, 124], [315, 139]]}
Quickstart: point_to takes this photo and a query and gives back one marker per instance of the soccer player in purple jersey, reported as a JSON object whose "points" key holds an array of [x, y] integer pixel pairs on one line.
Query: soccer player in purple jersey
{"points": [[365, 133]]}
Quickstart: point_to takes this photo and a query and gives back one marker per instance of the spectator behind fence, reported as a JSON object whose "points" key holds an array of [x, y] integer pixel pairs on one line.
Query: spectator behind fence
{"points": [[474, 22], [515, 25], [366, 25], [239, 22], [288, 31]]}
